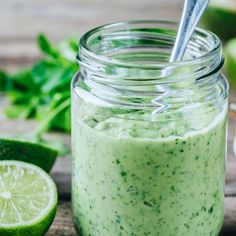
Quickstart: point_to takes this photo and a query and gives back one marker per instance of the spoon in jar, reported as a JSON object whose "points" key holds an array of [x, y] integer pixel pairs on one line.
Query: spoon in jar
{"points": [[192, 12]]}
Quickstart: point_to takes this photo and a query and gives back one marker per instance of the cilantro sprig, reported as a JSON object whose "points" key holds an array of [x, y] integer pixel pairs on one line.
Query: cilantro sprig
{"points": [[42, 92]]}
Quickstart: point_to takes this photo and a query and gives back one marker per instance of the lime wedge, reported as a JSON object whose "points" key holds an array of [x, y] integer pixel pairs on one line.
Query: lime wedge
{"points": [[220, 17], [36, 154], [28, 199]]}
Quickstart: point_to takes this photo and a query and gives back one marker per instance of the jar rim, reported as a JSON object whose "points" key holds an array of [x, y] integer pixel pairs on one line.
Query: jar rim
{"points": [[206, 56]]}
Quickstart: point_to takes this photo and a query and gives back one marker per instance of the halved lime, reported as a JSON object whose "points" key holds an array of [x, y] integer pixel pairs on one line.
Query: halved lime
{"points": [[36, 154], [28, 199], [220, 17]]}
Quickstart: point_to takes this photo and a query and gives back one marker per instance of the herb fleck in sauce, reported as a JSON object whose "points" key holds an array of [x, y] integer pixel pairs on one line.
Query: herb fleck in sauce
{"points": [[133, 186]]}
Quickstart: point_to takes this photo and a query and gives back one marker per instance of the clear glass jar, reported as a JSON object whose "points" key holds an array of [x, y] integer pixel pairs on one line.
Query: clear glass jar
{"points": [[148, 136]]}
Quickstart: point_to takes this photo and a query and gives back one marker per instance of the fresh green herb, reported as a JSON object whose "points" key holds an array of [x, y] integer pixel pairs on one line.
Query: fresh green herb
{"points": [[38, 91], [42, 92]]}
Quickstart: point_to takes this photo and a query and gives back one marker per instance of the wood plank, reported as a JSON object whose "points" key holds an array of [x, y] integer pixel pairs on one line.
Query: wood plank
{"points": [[24, 19], [63, 224], [21, 21], [229, 227]]}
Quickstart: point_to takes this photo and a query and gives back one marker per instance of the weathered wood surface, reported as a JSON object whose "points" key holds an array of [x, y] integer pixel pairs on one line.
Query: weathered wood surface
{"points": [[22, 20], [19, 25]]}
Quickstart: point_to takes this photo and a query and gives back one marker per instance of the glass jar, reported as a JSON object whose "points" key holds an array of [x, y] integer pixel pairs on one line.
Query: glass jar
{"points": [[148, 136]]}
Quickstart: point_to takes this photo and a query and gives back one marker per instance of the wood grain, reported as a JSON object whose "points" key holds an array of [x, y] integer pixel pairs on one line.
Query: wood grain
{"points": [[20, 23], [63, 224]]}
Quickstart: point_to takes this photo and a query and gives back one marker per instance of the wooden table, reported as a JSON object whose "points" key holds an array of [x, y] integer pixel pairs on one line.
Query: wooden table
{"points": [[19, 25]]}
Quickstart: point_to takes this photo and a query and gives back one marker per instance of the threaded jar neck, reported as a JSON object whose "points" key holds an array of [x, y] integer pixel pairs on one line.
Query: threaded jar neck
{"points": [[128, 63]]}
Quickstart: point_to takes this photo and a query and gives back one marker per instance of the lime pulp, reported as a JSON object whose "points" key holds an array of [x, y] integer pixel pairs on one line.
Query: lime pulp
{"points": [[28, 199]]}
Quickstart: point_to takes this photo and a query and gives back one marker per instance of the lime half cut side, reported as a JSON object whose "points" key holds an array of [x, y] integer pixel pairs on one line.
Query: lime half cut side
{"points": [[28, 199]]}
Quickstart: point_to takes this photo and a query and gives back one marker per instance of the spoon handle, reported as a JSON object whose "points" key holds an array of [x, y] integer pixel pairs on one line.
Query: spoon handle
{"points": [[193, 10]]}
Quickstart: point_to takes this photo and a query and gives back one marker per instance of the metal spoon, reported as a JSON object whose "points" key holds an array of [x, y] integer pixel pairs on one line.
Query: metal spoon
{"points": [[193, 10]]}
